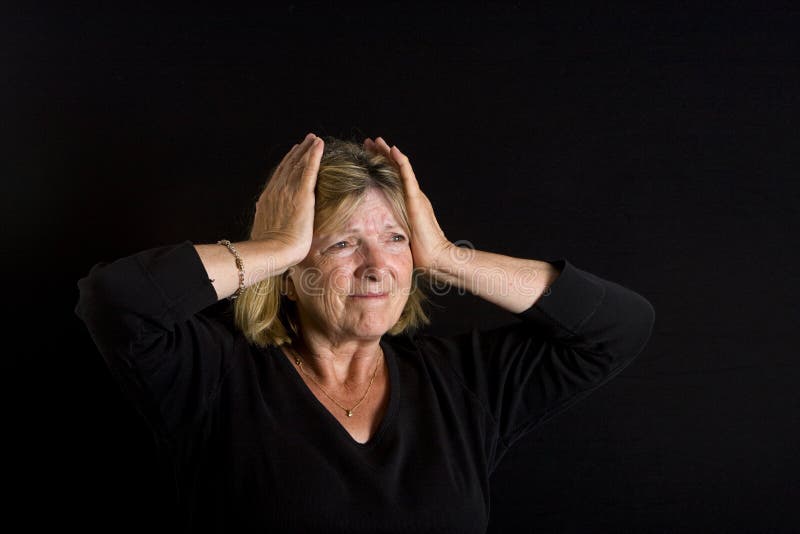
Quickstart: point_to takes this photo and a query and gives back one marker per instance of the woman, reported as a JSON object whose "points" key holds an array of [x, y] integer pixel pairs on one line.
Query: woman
{"points": [[320, 408]]}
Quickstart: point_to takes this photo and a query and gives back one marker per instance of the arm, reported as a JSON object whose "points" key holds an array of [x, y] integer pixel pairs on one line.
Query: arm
{"points": [[143, 311], [577, 330], [283, 226], [578, 335], [511, 283]]}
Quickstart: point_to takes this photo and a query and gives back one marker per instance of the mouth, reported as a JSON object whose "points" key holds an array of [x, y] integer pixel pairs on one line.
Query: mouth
{"points": [[370, 295]]}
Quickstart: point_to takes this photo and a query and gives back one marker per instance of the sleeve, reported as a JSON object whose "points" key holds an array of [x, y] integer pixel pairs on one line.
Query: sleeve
{"points": [[142, 312], [578, 335]]}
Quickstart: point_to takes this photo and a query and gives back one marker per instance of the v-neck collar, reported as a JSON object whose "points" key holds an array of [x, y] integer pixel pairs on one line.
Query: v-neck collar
{"points": [[391, 366]]}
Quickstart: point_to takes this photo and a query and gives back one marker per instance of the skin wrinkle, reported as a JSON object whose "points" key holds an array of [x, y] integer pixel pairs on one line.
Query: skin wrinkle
{"points": [[370, 254]]}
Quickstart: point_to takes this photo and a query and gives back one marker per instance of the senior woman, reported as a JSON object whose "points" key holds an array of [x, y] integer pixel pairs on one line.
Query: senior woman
{"points": [[320, 406]]}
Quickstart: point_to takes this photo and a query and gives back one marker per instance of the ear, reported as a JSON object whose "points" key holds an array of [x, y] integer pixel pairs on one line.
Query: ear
{"points": [[287, 287]]}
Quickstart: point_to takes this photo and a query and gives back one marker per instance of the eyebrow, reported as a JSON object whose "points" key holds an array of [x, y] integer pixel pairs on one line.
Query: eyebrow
{"points": [[388, 226]]}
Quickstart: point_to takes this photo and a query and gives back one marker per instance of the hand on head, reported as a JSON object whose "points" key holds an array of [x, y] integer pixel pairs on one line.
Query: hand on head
{"points": [[428, 242], [285, 208]]}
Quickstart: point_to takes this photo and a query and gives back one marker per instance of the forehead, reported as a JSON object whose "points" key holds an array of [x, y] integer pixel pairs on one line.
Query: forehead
{"points": [[374, 208]]}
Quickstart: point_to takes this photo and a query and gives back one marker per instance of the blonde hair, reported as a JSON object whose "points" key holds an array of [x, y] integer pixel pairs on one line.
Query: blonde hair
{"points": [[346, 173]]}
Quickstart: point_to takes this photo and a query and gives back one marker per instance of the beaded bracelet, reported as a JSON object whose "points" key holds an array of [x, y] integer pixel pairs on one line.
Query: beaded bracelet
{"points": [[239, 266]]}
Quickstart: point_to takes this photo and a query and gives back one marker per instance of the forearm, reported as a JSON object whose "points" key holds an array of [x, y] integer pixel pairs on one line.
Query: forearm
{"points": [[261, 258], [514, 284]]}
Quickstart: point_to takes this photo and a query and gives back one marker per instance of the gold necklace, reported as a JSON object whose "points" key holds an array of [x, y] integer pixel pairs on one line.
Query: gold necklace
{"points": [[349, 411]]}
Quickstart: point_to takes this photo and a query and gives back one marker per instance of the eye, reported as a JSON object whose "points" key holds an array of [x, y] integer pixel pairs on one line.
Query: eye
{"points": [[340, 248], [397, 238]]}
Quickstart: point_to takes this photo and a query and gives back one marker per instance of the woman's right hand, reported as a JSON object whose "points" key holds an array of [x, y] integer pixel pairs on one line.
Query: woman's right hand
{"points": [[285, 209]]}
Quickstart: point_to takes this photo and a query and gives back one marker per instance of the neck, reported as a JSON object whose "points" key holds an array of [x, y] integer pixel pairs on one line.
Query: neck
{"points": [[344, 366]]}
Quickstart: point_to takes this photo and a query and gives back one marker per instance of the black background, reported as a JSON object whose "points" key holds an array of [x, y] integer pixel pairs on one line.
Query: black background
{"points": [[653, 145]]}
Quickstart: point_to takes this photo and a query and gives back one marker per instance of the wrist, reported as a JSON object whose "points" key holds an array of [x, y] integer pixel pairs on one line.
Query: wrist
{"points": [[448, 261], [267, 257]]}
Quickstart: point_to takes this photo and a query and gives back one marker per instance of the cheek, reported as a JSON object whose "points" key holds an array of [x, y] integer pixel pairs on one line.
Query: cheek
{"points": [[338, 280], [310, 282], [326, 278], [405, 269], [335, 276]]}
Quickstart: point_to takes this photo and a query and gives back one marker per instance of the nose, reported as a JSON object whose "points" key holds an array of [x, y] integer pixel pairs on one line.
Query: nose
{"points": [[374, 266]]}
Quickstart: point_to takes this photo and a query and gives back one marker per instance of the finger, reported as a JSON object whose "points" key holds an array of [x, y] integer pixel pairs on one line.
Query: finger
{"points": [[406, 172], [283, 171], [287, 156], [305, 158], [369, 145], [293, 152], [309, 177], [302, 149], [382, 146]]}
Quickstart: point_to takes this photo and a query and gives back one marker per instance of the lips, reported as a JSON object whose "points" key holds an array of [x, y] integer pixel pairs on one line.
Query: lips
{"points": [[369, 295]]}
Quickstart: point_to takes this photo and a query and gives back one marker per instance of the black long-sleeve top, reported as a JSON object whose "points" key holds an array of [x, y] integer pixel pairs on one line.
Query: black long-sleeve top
{"points": [[250, 448]]}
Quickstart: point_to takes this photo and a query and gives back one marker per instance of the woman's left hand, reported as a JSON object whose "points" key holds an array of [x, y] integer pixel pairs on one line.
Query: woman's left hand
{"points": [[429, 246], [481, 273]]}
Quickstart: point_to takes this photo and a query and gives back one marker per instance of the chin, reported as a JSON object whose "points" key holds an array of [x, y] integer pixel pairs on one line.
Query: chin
{"points": [[372, 332], [374, 329]]}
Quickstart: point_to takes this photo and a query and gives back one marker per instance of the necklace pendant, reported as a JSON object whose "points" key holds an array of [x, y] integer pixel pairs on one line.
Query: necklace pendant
{"points": [[349, 413]]}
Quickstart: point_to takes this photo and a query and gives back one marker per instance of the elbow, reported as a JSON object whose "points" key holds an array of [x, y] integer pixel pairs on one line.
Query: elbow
{"points": [[95, 292], [630, 330], [641, 329]]}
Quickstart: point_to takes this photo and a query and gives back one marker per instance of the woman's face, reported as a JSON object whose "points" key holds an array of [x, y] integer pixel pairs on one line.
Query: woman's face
{"points": [[356, 279]]}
